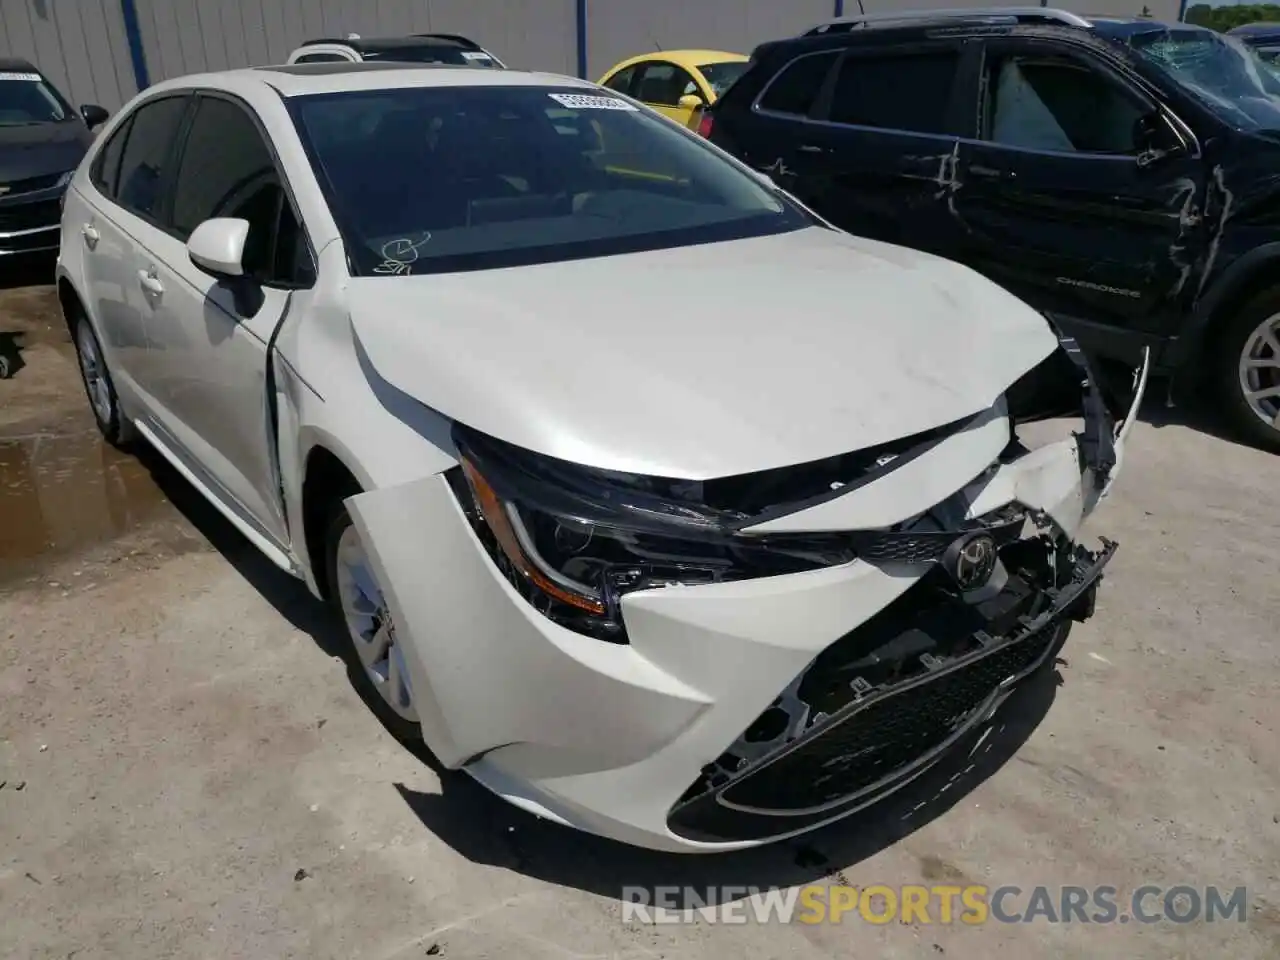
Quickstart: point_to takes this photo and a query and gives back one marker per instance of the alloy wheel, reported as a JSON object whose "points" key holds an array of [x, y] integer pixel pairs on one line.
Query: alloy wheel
{"points": [[1259, 370], [371, 627], [94, 372]]}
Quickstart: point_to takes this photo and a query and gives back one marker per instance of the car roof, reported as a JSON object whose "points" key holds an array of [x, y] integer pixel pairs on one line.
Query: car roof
{"points": [[685, 58], [1252, 29], [16, 65], [301, 79]]}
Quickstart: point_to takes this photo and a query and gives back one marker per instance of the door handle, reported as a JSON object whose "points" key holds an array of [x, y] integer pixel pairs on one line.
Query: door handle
{"points": [[91, 235], [990, 173], [150, 282], [812, 148]]}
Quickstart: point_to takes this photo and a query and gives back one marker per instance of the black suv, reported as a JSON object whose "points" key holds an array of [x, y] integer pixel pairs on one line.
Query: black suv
{"points": [[1123, 176]]}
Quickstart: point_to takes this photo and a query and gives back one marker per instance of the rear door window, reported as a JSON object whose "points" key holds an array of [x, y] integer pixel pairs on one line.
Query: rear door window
{"points": [[796, 87], [899, 91], [663, 84], [147, 156]]}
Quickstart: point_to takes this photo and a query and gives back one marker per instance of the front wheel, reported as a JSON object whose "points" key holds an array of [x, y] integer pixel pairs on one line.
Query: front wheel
{"points": [[374, 653], [1248, 374]]}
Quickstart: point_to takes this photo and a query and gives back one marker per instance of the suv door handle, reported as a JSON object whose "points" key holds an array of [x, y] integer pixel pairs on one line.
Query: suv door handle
{"points": [[91, 235], [990, 173], [150, 282]]}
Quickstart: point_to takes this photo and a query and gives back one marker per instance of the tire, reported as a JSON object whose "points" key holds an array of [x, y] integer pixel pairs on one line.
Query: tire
{"points": [[1244, 339], [99, 388], [371, 680]]}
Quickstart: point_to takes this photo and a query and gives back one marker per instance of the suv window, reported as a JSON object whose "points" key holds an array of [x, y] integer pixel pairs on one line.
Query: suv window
{"points": [[663, 84], [621, 81], [147, 153], [227, 171], [921, 85], [796, 88], [1040, 102]]}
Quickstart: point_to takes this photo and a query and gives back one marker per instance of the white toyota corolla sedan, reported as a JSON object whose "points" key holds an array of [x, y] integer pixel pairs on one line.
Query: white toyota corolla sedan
{"points": [[659, 506]]}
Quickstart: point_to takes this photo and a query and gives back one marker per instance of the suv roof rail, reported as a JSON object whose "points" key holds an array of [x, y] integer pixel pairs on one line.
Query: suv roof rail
{"points": [[1018, 14]]}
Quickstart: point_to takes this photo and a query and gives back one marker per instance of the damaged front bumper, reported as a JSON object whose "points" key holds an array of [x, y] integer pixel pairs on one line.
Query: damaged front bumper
{"points": [[742, 712]]}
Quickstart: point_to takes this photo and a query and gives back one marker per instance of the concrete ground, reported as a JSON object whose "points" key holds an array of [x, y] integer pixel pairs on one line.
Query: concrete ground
{"points": [[186, 770]]}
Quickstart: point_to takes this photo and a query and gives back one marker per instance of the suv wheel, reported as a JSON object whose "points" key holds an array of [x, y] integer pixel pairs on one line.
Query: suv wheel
{"points": [[1248, 374]]}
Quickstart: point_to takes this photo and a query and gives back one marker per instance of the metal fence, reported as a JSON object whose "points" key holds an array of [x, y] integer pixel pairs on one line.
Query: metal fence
{"points": [[103, 51]]}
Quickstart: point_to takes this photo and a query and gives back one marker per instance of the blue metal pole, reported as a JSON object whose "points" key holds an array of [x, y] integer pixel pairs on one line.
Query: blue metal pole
{"points": [[1182, 11], [582, 38], [839, 8], [133, 34]]}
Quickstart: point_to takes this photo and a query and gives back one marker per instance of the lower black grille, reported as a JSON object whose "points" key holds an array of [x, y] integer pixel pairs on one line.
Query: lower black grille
{"points": [[890, 697], [30, 216], [890, 734]]}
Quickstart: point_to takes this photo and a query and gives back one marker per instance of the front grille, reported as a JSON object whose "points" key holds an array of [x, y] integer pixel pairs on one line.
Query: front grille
{"points": [[891, 733], [32, 184], [30, 216]]}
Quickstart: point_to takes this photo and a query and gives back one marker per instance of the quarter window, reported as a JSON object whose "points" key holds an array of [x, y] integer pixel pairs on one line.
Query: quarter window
{"points": [[796, 88], [105, 172], [228, 171], [621, 81], [920, 84], [147, 154], [1058, 103]]}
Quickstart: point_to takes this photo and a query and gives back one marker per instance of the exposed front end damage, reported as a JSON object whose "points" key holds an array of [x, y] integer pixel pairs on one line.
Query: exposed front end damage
{"points": [[884, 702], [710, 665]]}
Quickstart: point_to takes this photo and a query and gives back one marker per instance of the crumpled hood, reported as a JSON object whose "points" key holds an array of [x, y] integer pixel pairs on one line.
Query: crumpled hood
{"points": [[41, 149], [708, 360]]}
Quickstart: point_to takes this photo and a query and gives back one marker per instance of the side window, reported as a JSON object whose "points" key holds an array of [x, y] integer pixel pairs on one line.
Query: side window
{"points": [[147, 154], [921, 85], [227, 171], [663, 84], [105, 172], [796, 88], [621, 81], [1052, 102], [322, 58]]}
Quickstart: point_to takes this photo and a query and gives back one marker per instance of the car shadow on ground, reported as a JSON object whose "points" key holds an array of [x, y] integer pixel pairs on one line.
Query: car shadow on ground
{"points": [[487, 830], [15, 272], [1189, 405]]}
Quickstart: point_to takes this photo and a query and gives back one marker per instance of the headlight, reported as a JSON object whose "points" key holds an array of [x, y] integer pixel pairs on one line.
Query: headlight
{"points": [[574, 540]]}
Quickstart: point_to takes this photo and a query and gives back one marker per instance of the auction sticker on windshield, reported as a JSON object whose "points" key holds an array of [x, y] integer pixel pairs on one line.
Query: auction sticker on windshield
{"points": [[474, 55], [582, 101], [34, 77]]}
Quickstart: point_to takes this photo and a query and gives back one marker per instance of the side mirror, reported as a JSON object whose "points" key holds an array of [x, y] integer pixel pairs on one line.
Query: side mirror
{"points": [[217, 247], [1154, 139], [691, 101], [93, 115]]}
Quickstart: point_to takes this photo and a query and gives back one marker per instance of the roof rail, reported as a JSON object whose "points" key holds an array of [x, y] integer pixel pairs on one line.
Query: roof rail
{"points": [[457, 37], [1018, 14]]}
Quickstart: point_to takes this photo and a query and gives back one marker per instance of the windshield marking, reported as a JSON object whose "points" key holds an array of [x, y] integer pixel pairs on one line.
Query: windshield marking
{"points": [[29, 77], [399, 255], [582, 101]]}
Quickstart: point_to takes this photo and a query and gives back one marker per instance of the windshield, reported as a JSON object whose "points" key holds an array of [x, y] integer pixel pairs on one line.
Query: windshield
{"points": [[434, 179], [720, 76], [434, 53], [1222, 72], [25, 98]]}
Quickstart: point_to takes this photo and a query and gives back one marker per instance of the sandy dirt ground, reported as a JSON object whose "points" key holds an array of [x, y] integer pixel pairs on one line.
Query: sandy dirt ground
{"points": [[187, 771]]}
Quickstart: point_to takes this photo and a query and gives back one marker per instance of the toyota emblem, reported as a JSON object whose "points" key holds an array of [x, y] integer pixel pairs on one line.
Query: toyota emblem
{"points": [[972, 560]]}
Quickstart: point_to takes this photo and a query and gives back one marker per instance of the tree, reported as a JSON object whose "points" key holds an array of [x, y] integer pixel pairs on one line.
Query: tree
{"points": [[1224, 18]]}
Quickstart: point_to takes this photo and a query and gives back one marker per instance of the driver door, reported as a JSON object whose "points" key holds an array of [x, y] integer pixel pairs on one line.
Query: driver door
{"points": [[210, 338], [660, 84], [1079, 193]]}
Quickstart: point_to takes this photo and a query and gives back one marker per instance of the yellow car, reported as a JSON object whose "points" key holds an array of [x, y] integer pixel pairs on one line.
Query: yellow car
{"points": [[677, 83]]}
